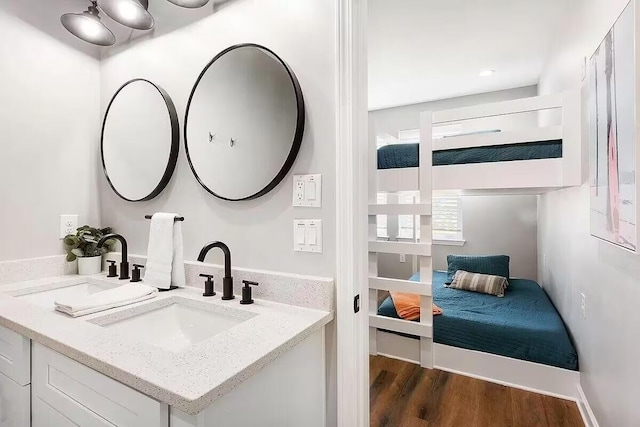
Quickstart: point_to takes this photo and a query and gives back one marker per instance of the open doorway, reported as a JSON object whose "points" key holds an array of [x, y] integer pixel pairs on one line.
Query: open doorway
{"points": [[462, 142]]}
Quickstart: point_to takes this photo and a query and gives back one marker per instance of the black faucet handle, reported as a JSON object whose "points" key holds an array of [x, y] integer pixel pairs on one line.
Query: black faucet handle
{"points": [[135, 274], [246, 292], [208, 285], [113, 270]]}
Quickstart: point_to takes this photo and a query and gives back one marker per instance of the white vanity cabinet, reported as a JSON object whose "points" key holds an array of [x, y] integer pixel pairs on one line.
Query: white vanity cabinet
{"points": [[67, 393], [15, 377], [289, 392]]}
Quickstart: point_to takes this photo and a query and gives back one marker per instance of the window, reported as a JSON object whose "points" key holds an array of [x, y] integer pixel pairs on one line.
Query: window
{"points": [[446, 217]]}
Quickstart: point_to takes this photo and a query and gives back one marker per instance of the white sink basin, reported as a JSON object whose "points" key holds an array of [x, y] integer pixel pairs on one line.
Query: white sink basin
{"points": [[176, 324], [46, 298]]}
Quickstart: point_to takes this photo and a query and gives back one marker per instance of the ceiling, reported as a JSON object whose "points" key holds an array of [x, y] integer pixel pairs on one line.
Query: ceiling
{"points": [[45, 15], [424, 50]]}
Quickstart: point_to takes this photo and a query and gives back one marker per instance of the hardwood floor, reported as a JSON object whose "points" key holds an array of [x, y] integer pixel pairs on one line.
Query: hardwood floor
{"points": [[406, 395]]}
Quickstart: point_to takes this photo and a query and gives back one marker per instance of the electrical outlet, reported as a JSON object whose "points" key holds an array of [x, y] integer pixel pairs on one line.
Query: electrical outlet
{"points": [[307, 191], [299, 191], [583, 306], [403, 258], [68, 225]]}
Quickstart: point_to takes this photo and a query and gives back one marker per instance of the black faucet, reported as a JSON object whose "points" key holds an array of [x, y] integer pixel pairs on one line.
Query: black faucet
{"points": [[227, 281], [124, 264]]}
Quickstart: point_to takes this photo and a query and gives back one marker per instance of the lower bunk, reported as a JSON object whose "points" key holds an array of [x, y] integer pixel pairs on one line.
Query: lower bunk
{"points": [[518, 340]]}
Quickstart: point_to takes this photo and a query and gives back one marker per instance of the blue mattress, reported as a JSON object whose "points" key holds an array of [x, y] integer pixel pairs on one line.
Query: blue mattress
{"points": [[406, 155], [523, 325]]}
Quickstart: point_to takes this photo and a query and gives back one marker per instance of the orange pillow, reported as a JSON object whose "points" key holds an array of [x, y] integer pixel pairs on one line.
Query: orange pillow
{"points": [[408, 305]]}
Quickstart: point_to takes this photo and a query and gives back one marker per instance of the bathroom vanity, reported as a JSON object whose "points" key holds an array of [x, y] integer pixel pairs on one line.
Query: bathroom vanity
{"points": [[179, 359]]}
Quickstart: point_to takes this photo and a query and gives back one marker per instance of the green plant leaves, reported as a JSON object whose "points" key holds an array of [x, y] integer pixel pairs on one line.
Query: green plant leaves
{"points": [[77, 252], [85, 242], [71, 241]]}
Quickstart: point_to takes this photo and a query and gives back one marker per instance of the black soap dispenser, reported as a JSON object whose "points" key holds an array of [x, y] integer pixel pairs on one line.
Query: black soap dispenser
{"points": [[135, 274], [113, 270], [208, 286], [246, 292]]}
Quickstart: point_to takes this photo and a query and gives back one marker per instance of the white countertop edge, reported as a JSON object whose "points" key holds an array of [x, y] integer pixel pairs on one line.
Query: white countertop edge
{"points": [[191, 403]]}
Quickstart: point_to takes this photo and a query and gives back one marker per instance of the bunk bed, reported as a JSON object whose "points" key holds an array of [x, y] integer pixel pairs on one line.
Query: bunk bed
{"points": [[536, 159], [520, 161]]}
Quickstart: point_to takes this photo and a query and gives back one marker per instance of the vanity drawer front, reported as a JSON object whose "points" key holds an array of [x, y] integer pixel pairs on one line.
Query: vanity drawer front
{"points": [[15, 356], [65, 388], [15, 403]]}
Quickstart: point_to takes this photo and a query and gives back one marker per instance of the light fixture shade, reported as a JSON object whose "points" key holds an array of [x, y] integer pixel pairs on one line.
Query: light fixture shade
{"points": [[131, 13], [191, 4], [88, 27]]}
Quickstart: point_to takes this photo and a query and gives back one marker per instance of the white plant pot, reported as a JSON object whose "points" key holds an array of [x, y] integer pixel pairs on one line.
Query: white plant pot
{"points": [[89, 265]]}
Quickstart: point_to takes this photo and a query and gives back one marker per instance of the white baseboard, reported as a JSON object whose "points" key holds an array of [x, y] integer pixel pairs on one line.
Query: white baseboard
{"points": [[587, 414], [529, 376]]}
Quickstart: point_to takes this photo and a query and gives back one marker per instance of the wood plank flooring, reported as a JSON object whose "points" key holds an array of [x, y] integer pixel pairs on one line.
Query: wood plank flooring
{"points": [[406, 395]]}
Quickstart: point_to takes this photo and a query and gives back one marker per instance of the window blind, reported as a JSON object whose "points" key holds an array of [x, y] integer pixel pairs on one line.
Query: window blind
{"points": [[447, 217]]}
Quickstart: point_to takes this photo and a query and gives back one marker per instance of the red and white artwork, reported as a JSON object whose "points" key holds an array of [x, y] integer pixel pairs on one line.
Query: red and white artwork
{"points": [[612, 154]]}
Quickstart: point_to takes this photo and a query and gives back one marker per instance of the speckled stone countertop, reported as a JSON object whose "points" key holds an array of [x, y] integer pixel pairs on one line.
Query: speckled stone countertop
{"points": [[189, 380]]}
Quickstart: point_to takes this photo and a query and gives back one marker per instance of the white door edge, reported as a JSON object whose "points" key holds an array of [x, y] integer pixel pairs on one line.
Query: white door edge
{"points": [[351, 213]]}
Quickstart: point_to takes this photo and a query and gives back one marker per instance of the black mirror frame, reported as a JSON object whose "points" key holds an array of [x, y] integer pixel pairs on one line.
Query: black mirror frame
{"points": [[175, 142], [297, 138]]}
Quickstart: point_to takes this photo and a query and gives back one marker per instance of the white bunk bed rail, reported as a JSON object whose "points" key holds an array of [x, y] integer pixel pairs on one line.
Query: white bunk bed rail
{"points": [[422, 249], [517, 176]]}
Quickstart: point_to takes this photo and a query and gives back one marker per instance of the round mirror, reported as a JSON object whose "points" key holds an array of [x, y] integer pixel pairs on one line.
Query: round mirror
{"points": [[244, 123], [140, 140]]}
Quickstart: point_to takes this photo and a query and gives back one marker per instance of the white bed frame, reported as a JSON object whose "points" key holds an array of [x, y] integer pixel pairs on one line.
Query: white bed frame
{"points": [[530, 376], [525, 176]]}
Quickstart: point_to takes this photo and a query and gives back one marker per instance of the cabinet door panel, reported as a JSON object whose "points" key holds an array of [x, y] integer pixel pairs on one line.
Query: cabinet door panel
{"points": [[15, 403], [15, 356], [44, 415], [89, 398]]}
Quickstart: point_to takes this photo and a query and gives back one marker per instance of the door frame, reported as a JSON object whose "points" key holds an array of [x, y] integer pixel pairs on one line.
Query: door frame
{"points": [[351, 213]]}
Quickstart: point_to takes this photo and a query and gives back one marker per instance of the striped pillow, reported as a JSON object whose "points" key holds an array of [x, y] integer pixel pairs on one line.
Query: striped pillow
{"points": [[476, 282], [496, 265]]}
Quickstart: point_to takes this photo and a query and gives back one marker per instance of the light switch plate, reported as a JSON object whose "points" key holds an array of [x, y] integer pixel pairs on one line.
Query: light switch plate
{"points": [[307, 235], [307, 191]]}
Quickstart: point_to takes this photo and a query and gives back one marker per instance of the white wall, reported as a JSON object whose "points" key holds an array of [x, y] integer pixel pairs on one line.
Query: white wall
{"points": [[259, 232], [48, 116], [492, 225], [607, 339]]}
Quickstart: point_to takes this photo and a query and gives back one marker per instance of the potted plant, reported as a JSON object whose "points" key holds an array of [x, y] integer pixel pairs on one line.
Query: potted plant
{"points": [[83, 246]]}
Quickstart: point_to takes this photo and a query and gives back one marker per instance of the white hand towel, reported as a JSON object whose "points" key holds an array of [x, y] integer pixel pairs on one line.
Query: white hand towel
{"points": [[77, 306], [165, 263]]}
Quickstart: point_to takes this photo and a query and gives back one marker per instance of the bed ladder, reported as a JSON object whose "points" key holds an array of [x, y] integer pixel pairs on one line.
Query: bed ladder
{"points": [[422, 249]]}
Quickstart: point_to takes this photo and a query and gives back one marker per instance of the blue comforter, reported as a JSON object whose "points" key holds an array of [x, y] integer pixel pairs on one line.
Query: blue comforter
{"points": [[523, 325], [406, 155]]}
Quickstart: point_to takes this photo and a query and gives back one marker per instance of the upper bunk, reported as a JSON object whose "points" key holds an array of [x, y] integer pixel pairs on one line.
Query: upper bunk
{"points": [[520, 159]]}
